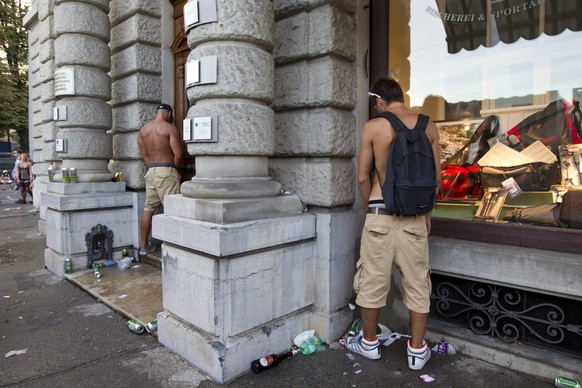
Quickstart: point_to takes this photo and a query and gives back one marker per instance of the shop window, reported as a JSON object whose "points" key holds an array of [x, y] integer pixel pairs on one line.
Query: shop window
{"points": [[463, 62]]}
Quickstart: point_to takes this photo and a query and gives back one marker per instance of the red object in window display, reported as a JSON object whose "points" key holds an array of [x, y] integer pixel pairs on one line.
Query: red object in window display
{"points": [[459, 182]]}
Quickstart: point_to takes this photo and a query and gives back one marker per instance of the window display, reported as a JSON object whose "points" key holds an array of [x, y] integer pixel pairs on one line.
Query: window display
{"points": [[501, 81]]}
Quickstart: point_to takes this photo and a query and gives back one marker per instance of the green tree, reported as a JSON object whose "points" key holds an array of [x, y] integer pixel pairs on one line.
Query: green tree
{"points": [[13, 70]]}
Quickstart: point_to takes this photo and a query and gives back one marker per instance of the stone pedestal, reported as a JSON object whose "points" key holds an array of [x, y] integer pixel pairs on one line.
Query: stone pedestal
{"points": [[73, 209], [233, 292]]}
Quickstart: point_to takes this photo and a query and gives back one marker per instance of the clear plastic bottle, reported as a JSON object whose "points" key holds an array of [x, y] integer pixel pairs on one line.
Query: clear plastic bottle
{"points": [[310, 345]]}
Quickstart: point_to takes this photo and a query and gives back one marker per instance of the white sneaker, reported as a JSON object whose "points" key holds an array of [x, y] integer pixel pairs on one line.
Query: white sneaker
{"points": [[144, 251], [417, 358], [359, 345]]}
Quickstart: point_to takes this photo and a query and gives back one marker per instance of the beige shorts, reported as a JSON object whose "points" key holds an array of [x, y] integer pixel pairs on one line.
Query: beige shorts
{"points": [[388, 240], [160, 181]]}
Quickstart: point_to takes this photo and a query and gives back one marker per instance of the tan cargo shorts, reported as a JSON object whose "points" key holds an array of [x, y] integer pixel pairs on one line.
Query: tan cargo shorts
{"points": [[387, 241], [160, 181]]}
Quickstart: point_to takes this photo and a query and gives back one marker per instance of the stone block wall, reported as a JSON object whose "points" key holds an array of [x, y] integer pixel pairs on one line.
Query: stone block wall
{"points": [[316, 131], [136, 80], [315, 95], [41, 59]]}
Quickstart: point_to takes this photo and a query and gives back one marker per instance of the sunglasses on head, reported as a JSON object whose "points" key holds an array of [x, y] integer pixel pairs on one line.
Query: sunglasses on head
{"points": [[370, 94]]}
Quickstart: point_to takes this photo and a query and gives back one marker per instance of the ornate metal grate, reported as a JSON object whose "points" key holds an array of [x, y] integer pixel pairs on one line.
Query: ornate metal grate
{"points": [[509, 314], [99, 243]]}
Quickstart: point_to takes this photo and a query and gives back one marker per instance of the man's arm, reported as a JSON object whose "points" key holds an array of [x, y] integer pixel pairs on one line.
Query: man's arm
{"points": [[433, 136], [365, 163], [142, 149], [177, 145]]}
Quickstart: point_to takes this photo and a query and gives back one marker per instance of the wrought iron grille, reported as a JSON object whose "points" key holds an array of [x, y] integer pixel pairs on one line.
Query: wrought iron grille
{"points": [[509, 314]]}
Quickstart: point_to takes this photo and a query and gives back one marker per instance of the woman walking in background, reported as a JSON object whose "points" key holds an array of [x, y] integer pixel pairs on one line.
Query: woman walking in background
{"points": [[24, 177]]}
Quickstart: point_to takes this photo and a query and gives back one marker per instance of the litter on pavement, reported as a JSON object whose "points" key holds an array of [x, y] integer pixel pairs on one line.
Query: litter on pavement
{"points": [[15, 353], [427, 378]]}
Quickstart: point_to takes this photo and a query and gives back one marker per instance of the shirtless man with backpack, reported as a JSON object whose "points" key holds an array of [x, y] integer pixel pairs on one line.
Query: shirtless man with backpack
{"points": [[389, 239]]}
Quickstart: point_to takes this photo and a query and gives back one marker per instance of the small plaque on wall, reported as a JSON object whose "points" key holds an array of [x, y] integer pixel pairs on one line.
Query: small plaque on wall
{"points": [[191, 14], [197, 12], [65, 82], [192, 72], [187, 129], [202, 71], [202, 129], [61, 145]]}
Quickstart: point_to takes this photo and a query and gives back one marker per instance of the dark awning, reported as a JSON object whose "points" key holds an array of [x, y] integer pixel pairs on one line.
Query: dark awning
{"points": [[473, 23]]}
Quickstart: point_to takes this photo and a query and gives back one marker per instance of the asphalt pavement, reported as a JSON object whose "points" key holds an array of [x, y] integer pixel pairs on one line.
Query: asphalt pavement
{"points": [[54, 334]]}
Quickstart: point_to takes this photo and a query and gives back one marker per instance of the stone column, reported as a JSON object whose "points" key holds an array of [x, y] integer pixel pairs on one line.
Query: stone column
{"points": [[82, 89], [236, 166], [81, 44], [237, 255]]}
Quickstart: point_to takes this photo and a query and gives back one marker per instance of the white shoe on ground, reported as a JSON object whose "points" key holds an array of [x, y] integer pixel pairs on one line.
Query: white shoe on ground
{"points": [[359, 345], [146, 250], [417, 358]]}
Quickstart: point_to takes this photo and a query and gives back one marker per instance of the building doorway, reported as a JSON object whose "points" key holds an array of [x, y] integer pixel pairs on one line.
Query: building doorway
{"points": [[180, 50]]}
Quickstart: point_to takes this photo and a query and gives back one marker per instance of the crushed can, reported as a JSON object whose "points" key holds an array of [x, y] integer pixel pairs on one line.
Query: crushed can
{"points": [[135, 326], [564, 382], [73, 175], [152, 326], [119, 176], [97, 270], [68, 266], [65, 175], [51, 173], [355, 327], [444, 348]]}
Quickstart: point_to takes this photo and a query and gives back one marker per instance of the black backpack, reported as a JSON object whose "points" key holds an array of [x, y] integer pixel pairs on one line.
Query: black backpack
{"points": [[409, 188]]}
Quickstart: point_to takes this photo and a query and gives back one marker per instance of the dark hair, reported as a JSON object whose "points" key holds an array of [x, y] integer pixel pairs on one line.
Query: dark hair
{"points": [[18, 150], [389, 90]]}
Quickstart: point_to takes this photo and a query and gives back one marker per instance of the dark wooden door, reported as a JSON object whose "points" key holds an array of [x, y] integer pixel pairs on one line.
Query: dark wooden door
{"points": [[181, 50]]}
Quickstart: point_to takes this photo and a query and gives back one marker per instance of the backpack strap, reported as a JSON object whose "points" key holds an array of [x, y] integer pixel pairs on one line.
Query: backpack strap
{"points": [[394, 120], [421, 123]]}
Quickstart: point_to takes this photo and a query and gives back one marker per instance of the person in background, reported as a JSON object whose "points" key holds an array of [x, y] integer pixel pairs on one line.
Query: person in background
{"points": [[162, 150], [390, 240], [16, 154], [24, 177]]}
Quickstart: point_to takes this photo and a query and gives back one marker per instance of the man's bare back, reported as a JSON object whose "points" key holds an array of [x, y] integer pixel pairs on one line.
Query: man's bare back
{"points": [[377, 136], [159, 141]]}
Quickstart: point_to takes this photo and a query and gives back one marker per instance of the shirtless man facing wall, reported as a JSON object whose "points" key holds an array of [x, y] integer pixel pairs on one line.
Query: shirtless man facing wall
{"points": [[391, 240], [162, 149]]}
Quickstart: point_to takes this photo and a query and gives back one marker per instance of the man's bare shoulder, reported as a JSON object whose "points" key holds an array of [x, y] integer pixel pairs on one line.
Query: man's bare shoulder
{"points": [[159, 128], [377, 129]]}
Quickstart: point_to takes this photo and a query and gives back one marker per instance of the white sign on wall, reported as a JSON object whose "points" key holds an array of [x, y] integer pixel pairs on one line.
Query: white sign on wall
{"points": [[197, 12], [191, 13], [192, 72], [61, 145], [187, 129], [65, 82], [202, 128]]}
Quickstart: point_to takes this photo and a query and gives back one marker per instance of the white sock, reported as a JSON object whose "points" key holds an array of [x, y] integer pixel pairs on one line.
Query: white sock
{"points": [[369, 344]]}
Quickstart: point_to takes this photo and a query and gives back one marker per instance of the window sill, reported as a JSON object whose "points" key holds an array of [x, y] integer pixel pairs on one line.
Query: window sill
{"points": [[541, 237]]}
